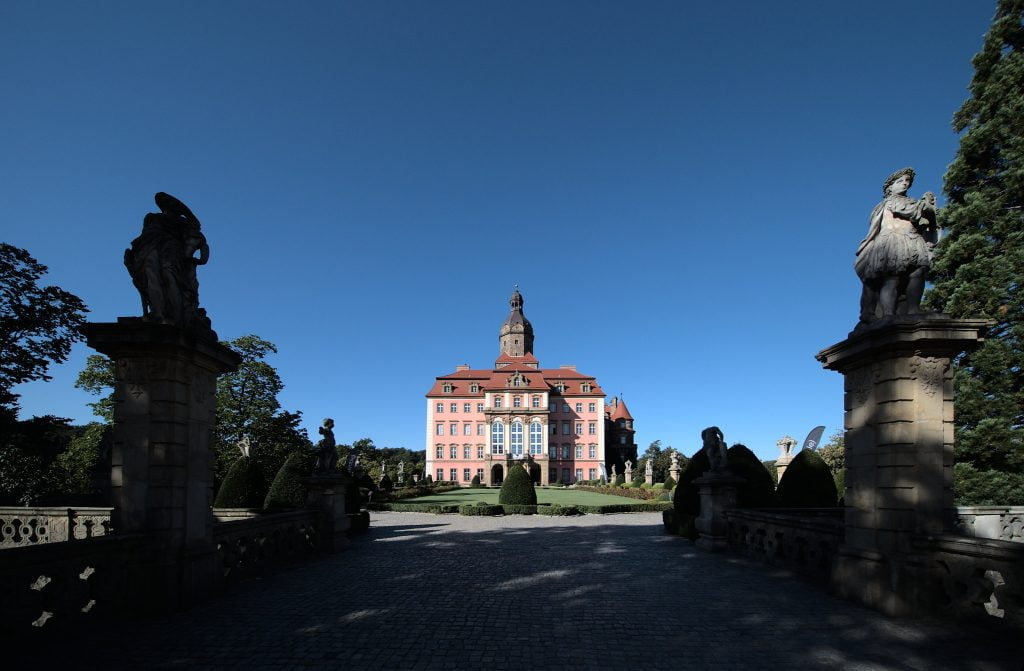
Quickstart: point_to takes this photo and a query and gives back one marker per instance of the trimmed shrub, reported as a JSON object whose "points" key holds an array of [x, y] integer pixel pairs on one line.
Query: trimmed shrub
{"points": [[428, 479], [437, 508], [627, 485], [686, 496], [640, 507], [646, 485], [620, 479], [475, 482], [669, 482], [807, 483], [243, 486], [385, 484], [481, 510], [517, 489], [288, 492], [758, 489]]}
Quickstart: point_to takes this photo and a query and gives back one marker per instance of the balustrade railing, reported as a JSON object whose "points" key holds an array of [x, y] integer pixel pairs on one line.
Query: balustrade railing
{"points": [[804, 540], [36, 526], [1005, 523], [251, 544]]}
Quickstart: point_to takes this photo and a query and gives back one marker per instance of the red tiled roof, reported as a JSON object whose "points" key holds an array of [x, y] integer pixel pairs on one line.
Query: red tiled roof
{"points": [[620, 411], [536, 380], [528, 357]]}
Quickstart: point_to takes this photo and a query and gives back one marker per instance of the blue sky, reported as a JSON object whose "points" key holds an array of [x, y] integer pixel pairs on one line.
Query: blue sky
{"points": [[678, 188]]}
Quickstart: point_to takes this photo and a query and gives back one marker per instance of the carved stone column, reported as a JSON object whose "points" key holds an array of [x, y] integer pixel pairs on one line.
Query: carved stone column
{"points": [[717, 494], [899, 451], [326, 494], [162, 467]]}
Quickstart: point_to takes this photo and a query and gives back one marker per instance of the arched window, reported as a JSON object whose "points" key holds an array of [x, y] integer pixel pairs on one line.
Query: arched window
{"points": [[536, 437], [497, 438], [517, 439]]}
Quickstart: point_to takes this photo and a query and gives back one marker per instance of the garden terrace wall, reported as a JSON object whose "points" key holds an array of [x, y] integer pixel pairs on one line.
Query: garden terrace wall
{"points": [[33, 526]]}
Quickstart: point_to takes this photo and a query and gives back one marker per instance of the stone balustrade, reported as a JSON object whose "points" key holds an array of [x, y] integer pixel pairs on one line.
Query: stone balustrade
{"points": [[1004, 523], [248, 545], [35, 526], [803, 540]]}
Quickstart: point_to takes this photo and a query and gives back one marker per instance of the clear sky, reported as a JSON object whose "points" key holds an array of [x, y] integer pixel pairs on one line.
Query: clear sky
{"points": [[677, 187]]}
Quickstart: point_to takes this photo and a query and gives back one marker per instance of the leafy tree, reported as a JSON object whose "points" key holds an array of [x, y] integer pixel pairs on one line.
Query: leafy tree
{"points": [[972, 487], [247, 406], [37, 324], [980, 261], [72, 473], [662, 458], [27, 448], [97, 378], [833, 453]]}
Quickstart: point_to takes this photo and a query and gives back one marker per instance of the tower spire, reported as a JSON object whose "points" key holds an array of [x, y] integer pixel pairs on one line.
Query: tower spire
{"points": [[516, 334]]}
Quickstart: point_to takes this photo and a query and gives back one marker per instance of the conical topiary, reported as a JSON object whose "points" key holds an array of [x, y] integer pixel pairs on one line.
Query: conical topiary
{"points": [[757, 489], [807, 483], [287, 491], [517, 489], [686, 496], [243, 486]]}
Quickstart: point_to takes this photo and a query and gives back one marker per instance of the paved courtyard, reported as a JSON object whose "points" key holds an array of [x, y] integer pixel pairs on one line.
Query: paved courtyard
{"points": [[595, 592]]}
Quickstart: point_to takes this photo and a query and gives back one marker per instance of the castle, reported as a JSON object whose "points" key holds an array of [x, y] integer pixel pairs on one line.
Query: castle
{"points": [[480, 422]]}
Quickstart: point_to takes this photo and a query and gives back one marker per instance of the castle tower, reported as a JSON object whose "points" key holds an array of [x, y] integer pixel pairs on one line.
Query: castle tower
{"points": [[516, 334]]}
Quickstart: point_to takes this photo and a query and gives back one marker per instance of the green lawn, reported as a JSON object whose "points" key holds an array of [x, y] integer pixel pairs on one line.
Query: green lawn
{"points": [[565, 497]]}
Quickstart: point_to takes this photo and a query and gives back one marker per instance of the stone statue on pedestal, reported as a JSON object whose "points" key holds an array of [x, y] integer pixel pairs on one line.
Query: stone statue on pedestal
{"points": [[326, 449], [614, 474], [244, 446], [893, 259], [715, 449], [401, 471], [162, 264], [629, 471], [649, 468], [675, 461]]}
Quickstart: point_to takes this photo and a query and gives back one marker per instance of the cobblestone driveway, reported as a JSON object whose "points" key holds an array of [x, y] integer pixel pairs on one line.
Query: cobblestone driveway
{"points": [[594, 592]]}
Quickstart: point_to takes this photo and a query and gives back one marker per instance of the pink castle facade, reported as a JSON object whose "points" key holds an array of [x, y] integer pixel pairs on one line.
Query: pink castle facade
{"points": [[482, 422]]}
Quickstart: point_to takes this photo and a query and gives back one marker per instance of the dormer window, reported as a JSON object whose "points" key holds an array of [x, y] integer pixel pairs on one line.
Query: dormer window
{"points": [[586, 387], [474, 388], [447, 388], [560, 387]]}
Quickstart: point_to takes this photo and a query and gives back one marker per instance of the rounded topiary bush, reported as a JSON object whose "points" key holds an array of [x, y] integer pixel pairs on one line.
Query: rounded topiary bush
{"points": [[807, 483], [385, 484], [475, 482], [758, 488], [287, 491], [243, 486], [669, 482], [517, 489], [619, 479]]}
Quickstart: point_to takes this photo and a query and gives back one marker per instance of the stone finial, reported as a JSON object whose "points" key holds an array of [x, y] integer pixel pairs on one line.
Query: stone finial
{"points": [[785, 445]]}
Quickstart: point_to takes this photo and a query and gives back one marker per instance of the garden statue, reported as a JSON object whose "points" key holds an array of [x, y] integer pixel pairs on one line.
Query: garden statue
{"points": [[893, 259], [401, 470], [326, 449], [162, 264], [715, 449], [629, 470], [675, 461], [352, 463], [244, 446], [649, 468], [614, 474]]}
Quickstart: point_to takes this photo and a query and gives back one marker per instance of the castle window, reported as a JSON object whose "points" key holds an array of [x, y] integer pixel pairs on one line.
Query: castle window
{"points": [[553, 406], [474, 388], [480, 429], [552, 452], [466, 451], [479, 451], [497, 438], [517, 401], [440, 407], [467, 430], [592, 407], [440, 452], [454, 451], [579, 428], [479, 407], [447, 388], [565, 451], [466, 407], [579, 451], [535, 402], [554, 428], [536, 437], [454, 407], [592, 453], [585, 387], [560, 387], [579, 407], [592, 428], [497, 401], [454, 430], [465, 474], [439, 429], [517, 439], [622, 440]]}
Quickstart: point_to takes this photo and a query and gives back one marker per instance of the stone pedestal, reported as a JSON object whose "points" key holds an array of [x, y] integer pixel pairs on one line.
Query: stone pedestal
{"points": [[326, 494], [717, 494], [674, 472], [649, 478], [162, 468], [899, 451]]}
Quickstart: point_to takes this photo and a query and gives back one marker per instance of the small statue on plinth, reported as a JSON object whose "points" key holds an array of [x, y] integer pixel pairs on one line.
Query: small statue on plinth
{"points": [[629, 470], [162, 263], [326, 450], [244, 446], [401, 471], [894, 258], [614, 474], [715, 450], [649, 468], [675, 460]]}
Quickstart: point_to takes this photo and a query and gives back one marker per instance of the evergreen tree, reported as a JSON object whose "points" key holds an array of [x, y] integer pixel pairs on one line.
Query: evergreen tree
{"points": [[980, 261]]}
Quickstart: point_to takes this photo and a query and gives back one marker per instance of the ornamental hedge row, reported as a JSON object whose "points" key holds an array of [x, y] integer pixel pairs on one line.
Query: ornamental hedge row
{"points": [[543, 509]]}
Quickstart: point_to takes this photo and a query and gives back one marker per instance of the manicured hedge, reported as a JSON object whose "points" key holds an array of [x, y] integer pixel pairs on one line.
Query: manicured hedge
{"points": [[511, 509], [633, 493], [757, 489], [646, 507], [478, 510], [436, 508], [558, 510], [807, 483]]}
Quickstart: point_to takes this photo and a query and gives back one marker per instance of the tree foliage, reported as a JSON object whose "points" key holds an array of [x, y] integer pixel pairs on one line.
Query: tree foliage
{"points": [[980, 261], [97, 378], [833, 453], [37, 324], [247, 406]]}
